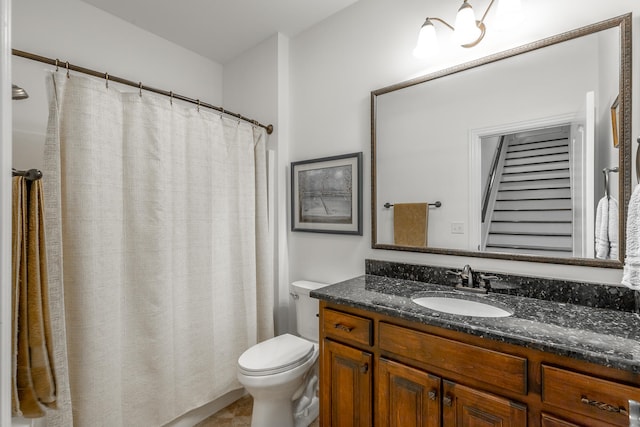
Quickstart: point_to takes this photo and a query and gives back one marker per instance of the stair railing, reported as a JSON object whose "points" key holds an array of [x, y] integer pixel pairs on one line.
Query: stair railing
{"points": [[491, 179]]}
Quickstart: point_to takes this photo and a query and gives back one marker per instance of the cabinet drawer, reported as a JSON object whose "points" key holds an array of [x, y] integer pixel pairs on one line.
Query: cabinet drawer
{"points": [[604, 400], [491, 367], [347, 327], [547, 420]]}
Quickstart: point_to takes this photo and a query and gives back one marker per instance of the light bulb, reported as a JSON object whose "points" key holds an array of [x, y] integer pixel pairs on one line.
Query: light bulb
{"points": [[509, 14], [427, 44], [466, 30]]}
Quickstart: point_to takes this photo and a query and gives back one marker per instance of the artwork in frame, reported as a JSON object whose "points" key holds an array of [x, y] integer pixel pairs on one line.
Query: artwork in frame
{"points": [[615, 120], [326, 195]]}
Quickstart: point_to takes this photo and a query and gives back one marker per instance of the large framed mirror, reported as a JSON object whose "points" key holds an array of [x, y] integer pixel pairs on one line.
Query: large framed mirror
{"points": [[522, 155]]}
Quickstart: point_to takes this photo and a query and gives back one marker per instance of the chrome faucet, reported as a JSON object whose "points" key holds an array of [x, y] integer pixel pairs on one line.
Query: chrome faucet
{"points": [[467, 280], [467, 275]]}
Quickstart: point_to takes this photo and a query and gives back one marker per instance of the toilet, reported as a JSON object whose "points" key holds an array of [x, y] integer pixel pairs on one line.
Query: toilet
{"points": [[281, 373]]}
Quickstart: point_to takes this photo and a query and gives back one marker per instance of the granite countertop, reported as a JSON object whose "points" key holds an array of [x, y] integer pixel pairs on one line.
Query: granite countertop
{"points": [[603, 336]]}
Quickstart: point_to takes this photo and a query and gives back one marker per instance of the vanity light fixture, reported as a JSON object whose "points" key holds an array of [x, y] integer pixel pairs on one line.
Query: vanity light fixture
{"points": [[467, 31]]}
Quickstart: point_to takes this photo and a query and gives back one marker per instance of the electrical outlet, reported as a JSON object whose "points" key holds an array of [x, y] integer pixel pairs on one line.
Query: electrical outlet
{"points": [[457, 228]]}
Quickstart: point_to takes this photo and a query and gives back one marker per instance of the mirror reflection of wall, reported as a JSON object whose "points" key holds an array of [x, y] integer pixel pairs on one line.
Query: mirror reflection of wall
{"points": [[427, 144]]}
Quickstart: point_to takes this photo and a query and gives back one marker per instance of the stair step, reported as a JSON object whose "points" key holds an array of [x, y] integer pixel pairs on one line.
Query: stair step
{"points": [[536, 167], [537, 145], [533, 204], [534, 160], [531, 227], [531, 215], [560, 243], [530, 194], [531, 251], [563, 182], [536, 153], [535, 175]]}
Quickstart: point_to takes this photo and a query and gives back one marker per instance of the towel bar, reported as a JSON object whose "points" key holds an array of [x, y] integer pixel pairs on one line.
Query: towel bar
{"points": [[31, 174], [606, 172], [436, 204]]}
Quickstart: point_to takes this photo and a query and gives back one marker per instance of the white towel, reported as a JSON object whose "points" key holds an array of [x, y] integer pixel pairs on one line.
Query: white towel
{"points": [[607, 229], [602, 225], [631, 272], [613, 228]]}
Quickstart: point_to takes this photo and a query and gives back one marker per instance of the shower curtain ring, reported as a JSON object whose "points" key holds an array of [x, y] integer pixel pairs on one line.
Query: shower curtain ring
{"points": [[67, 66], [198, 105], [57, 65], [140, 88], [171, 97], [106, 78]]}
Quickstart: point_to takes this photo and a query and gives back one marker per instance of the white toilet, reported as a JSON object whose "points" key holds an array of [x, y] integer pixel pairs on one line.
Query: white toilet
{"points": [[281, 373]]}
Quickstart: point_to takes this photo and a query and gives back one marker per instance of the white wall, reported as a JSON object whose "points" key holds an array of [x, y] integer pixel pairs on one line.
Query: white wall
{"points": [[335, 66], [256, 83], [606, 156], [73, 31]]}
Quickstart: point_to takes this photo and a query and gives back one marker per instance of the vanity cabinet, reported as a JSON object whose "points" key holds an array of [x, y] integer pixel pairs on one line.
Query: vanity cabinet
{"points": [[347, 393], [382, 371], [407, 396], [346, 370]]}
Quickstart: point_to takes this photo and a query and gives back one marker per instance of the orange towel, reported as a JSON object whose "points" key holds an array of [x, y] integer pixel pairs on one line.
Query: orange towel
{"points": [[410, 224], [33, 376]]}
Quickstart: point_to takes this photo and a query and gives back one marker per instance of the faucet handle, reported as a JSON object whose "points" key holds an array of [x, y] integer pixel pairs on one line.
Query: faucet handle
{"points": [[458, 274], [486, 280]]}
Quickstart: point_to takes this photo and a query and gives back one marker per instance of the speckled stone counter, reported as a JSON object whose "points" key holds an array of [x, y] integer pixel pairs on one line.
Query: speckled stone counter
{"points": [[589, 294], [603, 336]]}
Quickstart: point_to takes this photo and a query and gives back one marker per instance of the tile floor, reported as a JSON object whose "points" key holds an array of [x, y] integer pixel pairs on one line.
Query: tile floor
{"points": [[238, 414]]}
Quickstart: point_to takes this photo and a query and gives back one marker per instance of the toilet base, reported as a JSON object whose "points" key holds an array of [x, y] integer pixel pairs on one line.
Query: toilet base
{"points": [[269, 413], [309, 414]]}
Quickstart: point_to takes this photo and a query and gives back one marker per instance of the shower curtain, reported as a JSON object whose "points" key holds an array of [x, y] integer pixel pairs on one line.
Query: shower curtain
{"points": [[164, 249]]}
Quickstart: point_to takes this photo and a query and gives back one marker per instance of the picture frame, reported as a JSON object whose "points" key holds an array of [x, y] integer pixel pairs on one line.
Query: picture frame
{"points": [[614, 120], [326, 195]]}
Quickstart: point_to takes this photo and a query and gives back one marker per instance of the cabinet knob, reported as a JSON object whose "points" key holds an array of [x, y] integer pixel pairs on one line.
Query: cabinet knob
{"points": [[447, 401], [364, 368], [433, 395], [342, 327]]}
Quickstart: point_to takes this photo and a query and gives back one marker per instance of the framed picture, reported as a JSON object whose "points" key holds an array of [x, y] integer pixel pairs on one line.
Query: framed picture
{"points": [[326, 195], [614, 121]]}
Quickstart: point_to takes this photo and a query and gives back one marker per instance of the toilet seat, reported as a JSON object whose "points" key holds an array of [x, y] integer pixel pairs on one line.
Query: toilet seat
{"points": [[275, 355]]}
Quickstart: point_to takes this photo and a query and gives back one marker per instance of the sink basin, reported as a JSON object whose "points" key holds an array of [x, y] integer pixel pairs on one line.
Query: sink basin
{"points": [[454, 304]]}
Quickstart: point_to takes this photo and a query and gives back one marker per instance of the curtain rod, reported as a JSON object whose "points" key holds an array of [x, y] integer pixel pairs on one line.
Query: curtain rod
{"points": [[139, 85]]}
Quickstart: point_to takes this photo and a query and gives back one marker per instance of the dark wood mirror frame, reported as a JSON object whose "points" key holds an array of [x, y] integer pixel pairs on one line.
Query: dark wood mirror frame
{"points": [[624, 24]]}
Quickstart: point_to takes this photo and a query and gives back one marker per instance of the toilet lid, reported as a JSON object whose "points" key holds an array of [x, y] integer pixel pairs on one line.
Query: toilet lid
{"points": [[275, 355]]}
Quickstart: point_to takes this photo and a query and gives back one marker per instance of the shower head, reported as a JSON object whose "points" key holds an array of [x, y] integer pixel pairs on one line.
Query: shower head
{"points": [[18, 93]]}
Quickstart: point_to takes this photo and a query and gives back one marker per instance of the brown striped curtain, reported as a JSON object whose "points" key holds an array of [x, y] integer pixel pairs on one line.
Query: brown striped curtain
{"points": [[33, 379]]}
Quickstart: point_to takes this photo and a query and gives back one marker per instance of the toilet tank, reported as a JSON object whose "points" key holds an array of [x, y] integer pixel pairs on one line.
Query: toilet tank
{"points": [[306, 308]]}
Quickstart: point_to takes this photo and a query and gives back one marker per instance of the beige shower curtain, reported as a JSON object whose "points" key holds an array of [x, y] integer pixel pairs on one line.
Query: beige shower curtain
{"points": [[33, 382], [164, 249]]}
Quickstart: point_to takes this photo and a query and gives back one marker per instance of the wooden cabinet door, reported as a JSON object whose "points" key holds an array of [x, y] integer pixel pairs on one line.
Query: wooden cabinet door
{"points": [[346, 382], [467, 407], [406, 397]]}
